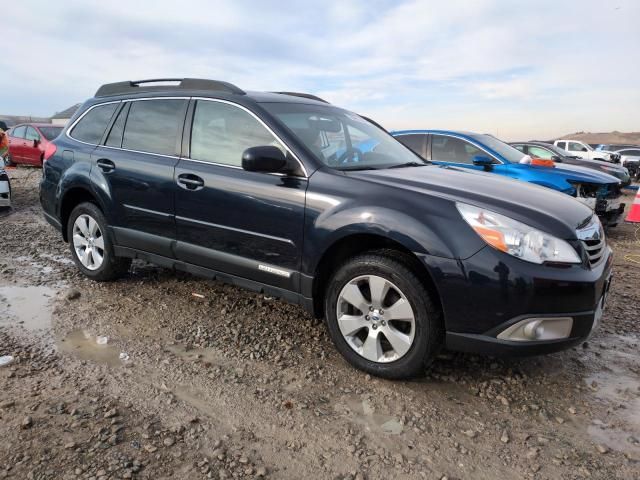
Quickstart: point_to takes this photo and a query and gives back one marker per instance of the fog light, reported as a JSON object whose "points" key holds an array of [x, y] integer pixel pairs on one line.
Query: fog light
{"points": [[536, 329]]}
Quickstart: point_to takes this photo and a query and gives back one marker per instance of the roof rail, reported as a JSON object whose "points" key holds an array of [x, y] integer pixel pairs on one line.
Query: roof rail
{"points": [[136, 86], [303, 95]]}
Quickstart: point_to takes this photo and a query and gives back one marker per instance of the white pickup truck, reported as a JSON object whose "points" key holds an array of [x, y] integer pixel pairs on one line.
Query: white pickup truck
{"points": [[580, 149]]}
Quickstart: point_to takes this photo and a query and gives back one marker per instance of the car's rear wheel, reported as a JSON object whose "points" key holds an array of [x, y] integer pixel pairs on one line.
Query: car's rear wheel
{"points": [[381, 317], [91, 244]]}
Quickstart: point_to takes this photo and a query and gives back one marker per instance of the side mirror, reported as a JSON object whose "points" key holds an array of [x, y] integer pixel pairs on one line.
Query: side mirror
{"points": [[266, 159], [584, 149], [482, 161], [36, 142], [556, 158]]}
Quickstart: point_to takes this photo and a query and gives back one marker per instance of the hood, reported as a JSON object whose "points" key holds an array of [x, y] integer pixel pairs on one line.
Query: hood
{"points": [[539, 207], [583, 174]]}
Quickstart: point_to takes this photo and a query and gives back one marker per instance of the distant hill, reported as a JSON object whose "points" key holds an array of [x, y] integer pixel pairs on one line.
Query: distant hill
{"points": [[15, 119], [610, 137]]}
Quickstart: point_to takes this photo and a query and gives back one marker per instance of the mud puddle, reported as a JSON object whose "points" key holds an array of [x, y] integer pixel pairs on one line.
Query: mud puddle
{"points": [[27, 307], [85, 346], [362, 411]]}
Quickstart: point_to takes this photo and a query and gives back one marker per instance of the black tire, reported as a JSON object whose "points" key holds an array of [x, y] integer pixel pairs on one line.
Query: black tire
{"points": [[112, 267], [397, 269]]}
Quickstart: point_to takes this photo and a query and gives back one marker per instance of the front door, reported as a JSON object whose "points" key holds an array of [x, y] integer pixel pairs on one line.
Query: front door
{"points": [[246, 224], [137, 162]]}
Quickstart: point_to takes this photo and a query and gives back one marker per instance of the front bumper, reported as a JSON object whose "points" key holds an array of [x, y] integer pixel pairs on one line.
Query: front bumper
{"points": [[487, 293]]}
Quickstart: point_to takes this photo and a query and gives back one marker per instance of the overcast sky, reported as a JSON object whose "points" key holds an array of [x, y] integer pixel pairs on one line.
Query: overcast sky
{"points": [[517, 69]]}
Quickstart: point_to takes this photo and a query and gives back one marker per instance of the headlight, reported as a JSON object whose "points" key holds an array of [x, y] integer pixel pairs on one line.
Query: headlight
{"points": [[517, 239]]}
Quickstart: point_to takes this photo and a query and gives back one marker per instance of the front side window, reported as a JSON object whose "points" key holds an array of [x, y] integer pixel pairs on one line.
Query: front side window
{"points": [[19, 132], [540, 153], [576, 147], [454, 150], [413, 141], [341, 139], [153, 126], [222, 132], [32, 134], [92, 125]]}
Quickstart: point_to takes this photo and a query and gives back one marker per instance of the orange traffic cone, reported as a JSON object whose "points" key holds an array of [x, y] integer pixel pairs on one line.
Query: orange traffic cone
{"points": [[634, 211]]}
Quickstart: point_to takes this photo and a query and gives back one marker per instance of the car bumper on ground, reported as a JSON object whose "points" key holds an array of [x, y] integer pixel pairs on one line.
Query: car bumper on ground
{"points": [[502, 293]]}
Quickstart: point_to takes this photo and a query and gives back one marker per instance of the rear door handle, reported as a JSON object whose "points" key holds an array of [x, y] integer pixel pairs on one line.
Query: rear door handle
{"points": [[189, 181], [106, 165]]}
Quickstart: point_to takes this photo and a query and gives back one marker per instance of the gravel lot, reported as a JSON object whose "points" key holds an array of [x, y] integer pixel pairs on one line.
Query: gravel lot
{"points": [[198, 379]]}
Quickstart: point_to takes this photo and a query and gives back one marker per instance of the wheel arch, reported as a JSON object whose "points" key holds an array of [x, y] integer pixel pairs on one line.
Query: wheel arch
{"points": [[71, 199], [358, 243]]}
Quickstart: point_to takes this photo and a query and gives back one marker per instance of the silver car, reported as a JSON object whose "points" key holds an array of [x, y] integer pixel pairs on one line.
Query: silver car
{"points": [[5, 188]]}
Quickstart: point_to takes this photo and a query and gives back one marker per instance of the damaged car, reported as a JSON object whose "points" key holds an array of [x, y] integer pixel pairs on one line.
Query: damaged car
{"points": [[600, 191]]}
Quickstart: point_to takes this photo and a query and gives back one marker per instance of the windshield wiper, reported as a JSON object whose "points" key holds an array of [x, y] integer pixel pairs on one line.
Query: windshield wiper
{"points": [[408, 164], [356, 169]]}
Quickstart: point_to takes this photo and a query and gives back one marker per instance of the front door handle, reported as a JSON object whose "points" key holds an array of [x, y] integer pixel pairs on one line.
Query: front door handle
{"points": [[189, 181], [106, 165]]}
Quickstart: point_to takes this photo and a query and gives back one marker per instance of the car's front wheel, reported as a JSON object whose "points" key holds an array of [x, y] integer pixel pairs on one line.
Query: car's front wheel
{"points": [[381, 317], [91, 244]]}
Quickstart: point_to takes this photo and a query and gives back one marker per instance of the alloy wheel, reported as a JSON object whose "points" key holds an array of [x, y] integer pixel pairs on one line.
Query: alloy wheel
{"points": [[375, 318], [88, 242]]}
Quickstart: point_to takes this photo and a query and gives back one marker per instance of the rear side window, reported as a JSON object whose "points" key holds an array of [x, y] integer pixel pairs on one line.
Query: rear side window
{"points": [[32, 134], [154, 126], [50, 132], [19, 132], [413, 142], [91, 127]]}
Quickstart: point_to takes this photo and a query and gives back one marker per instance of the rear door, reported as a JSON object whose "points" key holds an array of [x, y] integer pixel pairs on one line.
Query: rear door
{"points": [[246, 224], [136, 163], [32, 152]]}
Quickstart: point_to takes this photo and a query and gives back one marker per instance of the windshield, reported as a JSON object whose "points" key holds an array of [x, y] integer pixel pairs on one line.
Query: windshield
{"points": [[50, 132], [512, 154], [341, 139]]}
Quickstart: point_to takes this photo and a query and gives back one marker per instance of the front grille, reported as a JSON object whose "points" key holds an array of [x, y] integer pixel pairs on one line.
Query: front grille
{"points": [[595, 250], [593, 240]]}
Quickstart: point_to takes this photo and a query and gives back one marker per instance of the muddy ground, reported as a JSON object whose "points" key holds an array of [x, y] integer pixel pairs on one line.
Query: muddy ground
{"points": [[198, 379]]}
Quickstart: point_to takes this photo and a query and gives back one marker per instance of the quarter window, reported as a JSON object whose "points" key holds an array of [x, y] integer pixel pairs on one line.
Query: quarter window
{"points": [[92, 126], [562, 145], [454, 150], [222, 132], [413, 142], [154, 126], [19, 132]]}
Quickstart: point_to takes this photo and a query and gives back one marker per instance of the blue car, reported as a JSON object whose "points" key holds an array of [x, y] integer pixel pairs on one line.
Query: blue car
{"points": [[483, 152]]}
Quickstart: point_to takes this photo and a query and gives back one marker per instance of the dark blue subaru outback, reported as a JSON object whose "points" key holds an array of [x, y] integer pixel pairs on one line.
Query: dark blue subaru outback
{"points": [[270, 191]]}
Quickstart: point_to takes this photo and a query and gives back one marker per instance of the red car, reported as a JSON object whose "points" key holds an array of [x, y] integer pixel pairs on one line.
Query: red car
{"points": [[28, 142]]}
